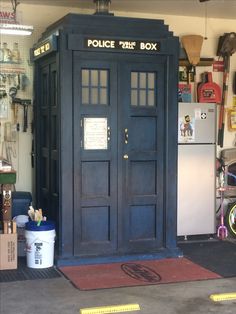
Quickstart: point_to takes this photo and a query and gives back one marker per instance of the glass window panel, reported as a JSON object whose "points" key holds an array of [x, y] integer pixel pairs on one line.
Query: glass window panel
{"points": [[85, 95], [142, 97], [142, 80], [85, 77], [151, 79], [94, 96], [103, 96], [94, 77], [151, 98], [103, 78], [134, 80], [134, 97]]}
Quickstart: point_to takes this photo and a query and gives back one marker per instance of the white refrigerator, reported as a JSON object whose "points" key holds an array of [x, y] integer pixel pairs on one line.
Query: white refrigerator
{"points": [[196, 169]]}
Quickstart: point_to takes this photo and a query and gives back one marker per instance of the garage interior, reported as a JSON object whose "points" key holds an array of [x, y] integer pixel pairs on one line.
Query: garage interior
{"points": [[92, 108]]}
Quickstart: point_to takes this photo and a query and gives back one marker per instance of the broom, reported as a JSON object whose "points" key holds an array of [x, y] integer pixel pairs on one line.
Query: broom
{"points": [[193, 45], [226, 48]]}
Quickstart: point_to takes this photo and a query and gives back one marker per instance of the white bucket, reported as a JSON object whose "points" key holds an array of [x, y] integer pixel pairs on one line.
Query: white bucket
{"points": [[40, 244]]}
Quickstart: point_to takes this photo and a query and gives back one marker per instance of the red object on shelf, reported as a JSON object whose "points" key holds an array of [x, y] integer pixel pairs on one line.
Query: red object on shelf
{"points": [[209, 92]]}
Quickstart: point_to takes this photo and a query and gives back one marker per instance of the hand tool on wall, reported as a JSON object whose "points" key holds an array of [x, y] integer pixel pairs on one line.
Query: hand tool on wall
{"points": [[193, 45], [226, 48], [15, 115], [32, 144], [234, 84], [3, 104], [25, 103]]}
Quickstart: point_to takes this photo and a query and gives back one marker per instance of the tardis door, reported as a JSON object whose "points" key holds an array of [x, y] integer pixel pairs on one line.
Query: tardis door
{"points": [[95, 156], [118, 154], [47, 139], [141, 155]]}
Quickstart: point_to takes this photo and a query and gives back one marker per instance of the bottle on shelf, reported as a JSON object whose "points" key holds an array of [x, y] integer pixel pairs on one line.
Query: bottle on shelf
{"points": [[15, 53], [1, 53], [6, 53]]}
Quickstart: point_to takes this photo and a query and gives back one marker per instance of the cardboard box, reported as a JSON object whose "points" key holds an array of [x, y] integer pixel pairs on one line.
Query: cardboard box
{"points": [[8, 251]]}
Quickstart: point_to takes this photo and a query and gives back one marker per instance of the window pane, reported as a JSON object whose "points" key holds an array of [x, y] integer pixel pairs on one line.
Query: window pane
{"points": [[85, 95], [103, 96], [134, 97], [103, 78], [85, 77], [94, 96], [151, 79], [134, 80], [94, 77], [142, 80], [142, 98], [151, 98]]}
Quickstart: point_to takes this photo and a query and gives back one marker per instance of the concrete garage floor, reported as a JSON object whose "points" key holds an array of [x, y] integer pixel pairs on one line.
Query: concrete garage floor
{"points": [[58, 296]]}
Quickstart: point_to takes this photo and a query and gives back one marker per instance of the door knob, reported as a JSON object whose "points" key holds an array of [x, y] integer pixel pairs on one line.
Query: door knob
{"points": [[126, 156]]}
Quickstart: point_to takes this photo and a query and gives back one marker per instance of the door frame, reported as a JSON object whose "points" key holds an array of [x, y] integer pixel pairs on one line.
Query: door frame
{"points": [[168, 214]]}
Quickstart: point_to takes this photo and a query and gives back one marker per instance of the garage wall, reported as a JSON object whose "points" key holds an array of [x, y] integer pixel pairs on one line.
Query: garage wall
{"points": [[42, 16]]}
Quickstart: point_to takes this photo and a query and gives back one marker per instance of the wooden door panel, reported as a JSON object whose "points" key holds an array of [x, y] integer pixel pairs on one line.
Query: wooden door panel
{"points": [[142, 222], [141, 157], [95, 218], [142, 131], [95, 202], [96, 179], [142, 178]]}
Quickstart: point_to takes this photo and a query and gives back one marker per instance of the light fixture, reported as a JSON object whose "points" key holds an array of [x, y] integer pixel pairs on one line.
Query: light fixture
{"points": [[102, 6], [15, 28]]}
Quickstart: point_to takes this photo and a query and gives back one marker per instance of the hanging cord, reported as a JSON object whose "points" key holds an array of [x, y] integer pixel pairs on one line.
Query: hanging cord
{"points": [[206, 17], [14, 4]]}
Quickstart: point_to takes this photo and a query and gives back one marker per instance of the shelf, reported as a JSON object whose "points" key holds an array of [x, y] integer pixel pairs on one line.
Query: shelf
{"points": [[203, 62]]}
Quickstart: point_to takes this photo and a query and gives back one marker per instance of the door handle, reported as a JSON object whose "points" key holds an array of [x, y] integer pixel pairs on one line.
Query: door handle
{"points": [[108, 133], [126, 136]]}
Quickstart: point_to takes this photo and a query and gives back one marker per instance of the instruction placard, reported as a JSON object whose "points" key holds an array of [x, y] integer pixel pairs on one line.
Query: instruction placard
{"points": [[95, 133]]}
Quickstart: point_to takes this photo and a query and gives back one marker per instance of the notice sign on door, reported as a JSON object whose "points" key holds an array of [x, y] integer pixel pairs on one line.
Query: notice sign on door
{"points": [[95, 133]]}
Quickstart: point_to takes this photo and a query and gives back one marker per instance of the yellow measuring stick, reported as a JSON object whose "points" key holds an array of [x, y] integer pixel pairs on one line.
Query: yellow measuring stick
{"points": [[111, 309], [223, 296]]}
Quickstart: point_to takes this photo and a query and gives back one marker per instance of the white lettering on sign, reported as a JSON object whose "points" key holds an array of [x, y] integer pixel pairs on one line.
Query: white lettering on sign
{"points": [[99, 43], [42, 49], [127, 44], [148, 46], [122, 44]]}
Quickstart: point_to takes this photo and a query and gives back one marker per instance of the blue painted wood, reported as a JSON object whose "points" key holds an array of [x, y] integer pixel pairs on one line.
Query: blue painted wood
{"points": [[142, 173], [105, 205], [159, 254], [95, 188]]}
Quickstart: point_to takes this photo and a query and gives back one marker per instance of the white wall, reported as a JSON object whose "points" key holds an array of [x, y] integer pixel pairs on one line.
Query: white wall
{"points": [[43, 16]]}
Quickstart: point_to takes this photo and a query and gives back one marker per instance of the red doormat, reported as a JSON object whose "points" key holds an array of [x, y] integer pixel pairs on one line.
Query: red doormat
{"points": [[135, 273]]}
